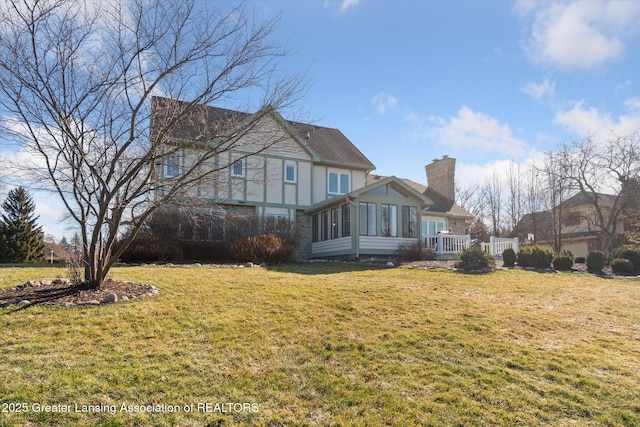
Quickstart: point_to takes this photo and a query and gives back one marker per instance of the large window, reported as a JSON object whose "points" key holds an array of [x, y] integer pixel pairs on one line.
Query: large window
{"points": [[346, 220], [315, 227], [172, 165], [389, 220], [338, 183], [409, 221], [431, 227], [367, 219], [324, 226], [334, 223]]}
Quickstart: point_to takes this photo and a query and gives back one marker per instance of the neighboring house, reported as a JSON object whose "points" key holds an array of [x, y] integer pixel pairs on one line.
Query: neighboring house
{"points": [[575, 226], [315, 177]]}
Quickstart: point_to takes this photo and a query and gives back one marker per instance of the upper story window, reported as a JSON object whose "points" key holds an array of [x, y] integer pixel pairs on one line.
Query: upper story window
{"points": [[238, 168], [339, 183], [172, 163], [290, 172]]}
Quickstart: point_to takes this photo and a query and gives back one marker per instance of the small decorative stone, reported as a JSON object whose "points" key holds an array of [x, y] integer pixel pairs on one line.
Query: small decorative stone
{"points": [[8, 303], [110, 299], [390, 264], [22, 303], [124, 298], [249, 265], [92, 302], [67, 304], [61, 281]]}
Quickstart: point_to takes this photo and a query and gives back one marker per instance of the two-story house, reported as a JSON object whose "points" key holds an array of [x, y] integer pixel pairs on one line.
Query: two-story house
{"points": [[573, 225], [318, 179]]}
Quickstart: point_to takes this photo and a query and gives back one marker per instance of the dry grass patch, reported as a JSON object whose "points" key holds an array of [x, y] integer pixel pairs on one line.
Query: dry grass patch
{"points": [[333, 344]]}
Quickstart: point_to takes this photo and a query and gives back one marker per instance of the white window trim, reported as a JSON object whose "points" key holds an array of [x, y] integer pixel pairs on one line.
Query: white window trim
{"points": [[339, 176], [295, 172]]}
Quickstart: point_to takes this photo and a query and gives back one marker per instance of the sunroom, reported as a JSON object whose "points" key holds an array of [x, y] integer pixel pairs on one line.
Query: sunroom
{"points": [[373, 220]]}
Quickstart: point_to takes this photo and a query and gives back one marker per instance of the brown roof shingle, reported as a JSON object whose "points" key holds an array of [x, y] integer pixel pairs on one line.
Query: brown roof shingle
{"points": [[204, 123]]}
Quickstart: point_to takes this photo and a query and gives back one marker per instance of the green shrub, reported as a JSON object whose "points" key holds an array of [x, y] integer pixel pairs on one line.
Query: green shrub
{"points": [[509, 257], [630, 253], [263, 248], [534, 256], [621, 265], [595, 261], [474, 258], [562, 262], [414, 251], [580, 260]]}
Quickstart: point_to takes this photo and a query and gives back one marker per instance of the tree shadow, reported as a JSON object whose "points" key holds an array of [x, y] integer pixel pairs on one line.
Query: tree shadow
{"points": [[325, 267], [39, 295]]}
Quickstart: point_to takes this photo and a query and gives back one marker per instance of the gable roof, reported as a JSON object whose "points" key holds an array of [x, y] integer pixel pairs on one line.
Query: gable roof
{"points": [[440, 203], [204, 123], [357, 193]]}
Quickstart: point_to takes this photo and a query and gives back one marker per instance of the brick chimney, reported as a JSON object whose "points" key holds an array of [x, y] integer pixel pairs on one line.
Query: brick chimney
{"points": [[440, 176]]}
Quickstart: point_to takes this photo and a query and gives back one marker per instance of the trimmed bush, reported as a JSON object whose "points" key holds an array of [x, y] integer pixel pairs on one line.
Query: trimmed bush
{"points": [[414, 251], [534, 256], [509, 257], [595, 261], [562, 262], [474, 258], [632, 254], [263, 248], [621, 265]]}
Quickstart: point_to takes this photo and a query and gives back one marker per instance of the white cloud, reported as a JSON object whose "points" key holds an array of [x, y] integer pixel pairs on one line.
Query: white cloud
{"points": [[581, 34], [540, 91], [583, 120], [633, 104], [477, 131], [348, 4], [383, 102]]}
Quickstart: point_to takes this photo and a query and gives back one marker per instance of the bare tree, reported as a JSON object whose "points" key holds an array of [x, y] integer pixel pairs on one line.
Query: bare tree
{"points": [[470, 198], [514, 208], [76, 84], [533, 195], [556, 190], [492, 194], [605, 173]]}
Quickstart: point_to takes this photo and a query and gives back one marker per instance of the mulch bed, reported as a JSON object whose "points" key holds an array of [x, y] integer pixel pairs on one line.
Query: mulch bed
{"points": [[59, 292]]}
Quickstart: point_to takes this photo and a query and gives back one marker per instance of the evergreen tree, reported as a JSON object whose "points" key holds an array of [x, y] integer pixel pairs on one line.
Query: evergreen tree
{"points": [[21, 238]]}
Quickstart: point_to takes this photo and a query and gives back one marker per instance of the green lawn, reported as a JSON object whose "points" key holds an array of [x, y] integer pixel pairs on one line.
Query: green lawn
{"points": [[328, 344]]}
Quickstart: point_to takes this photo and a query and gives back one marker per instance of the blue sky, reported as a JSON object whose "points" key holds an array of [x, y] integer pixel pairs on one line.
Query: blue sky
{"points": [[487, 82]]}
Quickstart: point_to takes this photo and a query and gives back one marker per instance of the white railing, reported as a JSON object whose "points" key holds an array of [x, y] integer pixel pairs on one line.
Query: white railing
{"points": [[447, 243], [497, 245]]}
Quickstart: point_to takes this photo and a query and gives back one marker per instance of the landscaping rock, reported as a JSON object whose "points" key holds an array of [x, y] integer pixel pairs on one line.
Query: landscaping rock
{"points": [[61, 281], [109, 299], [249, 265], [390, 264], [68, 304], [10, 302], [92, 302], [22, 303]]}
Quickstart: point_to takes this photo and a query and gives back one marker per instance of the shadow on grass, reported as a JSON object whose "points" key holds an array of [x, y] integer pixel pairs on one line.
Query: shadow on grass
{"points": [[329, 267], [37, 296], [35, 265]]}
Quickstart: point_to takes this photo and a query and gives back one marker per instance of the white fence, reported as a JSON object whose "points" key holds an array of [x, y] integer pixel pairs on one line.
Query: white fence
{"points": [[497, 245], [447, 244]]}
